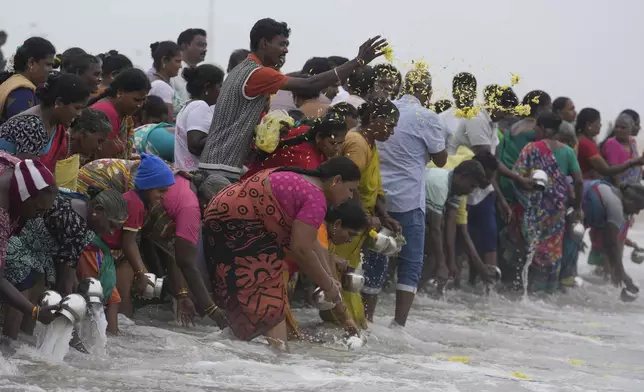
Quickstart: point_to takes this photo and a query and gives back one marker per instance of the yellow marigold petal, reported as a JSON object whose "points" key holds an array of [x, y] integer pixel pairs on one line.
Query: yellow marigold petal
{"points": [[521, 376]]}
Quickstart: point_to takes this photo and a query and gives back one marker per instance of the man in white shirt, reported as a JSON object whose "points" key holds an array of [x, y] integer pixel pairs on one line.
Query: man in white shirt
{"points": [[464, 93], [359, 86], [194, 44], [418, 137]]}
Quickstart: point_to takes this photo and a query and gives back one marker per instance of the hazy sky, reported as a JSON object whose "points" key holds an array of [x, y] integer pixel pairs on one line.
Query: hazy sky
{"points": [[587, 50]]}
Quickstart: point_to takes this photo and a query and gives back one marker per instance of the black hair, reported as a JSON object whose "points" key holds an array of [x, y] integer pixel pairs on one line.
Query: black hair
{"points": [[3, 34], [307, 93], [325, 126], [267, 29], [163, 51], [487, 160], [60, 59], [317, 65], [388, 71], [350, 213], [114, 62], [111, 202], [343, 110], [442, 105], [65, 88], [380, 107], [632, 113], [188, 35], [35, 48], [154, 107], [559, 104], [336, 166], [508, 98], [198, 77], [463, 79], [471, 169], [361, 80], [236, 57], [338, 60], [130, 80], [79, 64], [91, 121], [585, 117], [536, 99], [633, 192], [549, 121]]}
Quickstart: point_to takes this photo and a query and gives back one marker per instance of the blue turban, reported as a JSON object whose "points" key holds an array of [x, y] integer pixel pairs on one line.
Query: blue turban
{"points": [[153, 173]]}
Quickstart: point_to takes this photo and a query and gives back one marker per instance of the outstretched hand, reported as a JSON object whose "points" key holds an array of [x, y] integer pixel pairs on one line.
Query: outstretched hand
{"points": [[371, 49]]}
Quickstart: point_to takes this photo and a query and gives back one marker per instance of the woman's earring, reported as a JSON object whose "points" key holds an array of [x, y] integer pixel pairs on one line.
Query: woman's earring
{"points": [[94, 214]]}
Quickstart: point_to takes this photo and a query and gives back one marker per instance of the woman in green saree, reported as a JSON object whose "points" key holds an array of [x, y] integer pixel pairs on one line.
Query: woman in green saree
{"points": [[518, 135]]}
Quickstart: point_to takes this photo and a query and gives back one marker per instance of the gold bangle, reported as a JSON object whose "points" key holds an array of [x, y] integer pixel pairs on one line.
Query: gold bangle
{"points": [[182, 293], [359, 61], [34, 313], [211, 309]]}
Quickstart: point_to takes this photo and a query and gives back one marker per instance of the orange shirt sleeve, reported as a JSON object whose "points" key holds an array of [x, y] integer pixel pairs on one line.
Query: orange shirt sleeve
{"points": [[323, 236], [264, 81]]}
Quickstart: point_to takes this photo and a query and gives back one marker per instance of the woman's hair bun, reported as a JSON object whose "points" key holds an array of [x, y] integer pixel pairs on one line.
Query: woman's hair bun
{"points": [[58, 61], [190, 73], [154, 46]]}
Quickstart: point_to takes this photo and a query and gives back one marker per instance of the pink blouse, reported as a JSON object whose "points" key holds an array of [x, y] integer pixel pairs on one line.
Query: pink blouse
{"points": [[299, 199]]}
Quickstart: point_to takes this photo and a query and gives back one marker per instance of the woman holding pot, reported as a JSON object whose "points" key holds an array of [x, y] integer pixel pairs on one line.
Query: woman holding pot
{"points": [[27, 190]]}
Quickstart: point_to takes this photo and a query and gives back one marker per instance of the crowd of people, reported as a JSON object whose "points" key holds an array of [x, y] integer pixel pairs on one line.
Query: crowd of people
{"points": [[109, 171]]}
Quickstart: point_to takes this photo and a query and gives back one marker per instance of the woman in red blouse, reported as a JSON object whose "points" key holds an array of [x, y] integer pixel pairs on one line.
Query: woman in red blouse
{"points": [[592, 164], [307, 145]]}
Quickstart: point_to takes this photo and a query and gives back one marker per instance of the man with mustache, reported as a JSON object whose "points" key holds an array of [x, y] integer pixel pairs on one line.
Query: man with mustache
{"points": [[194, 45]]}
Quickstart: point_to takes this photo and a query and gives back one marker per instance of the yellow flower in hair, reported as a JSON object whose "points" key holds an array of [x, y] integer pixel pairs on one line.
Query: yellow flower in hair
{"points": [[388, 53], [522, 110], [515, 79], [420, 65], [535, 100]]}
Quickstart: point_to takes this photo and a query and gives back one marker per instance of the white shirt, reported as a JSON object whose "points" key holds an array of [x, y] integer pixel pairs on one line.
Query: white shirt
{"points": [[341, 96], [353, 100], [405, 154], [450, 124], [178, 83], [477, 131], [162, 90], [195, 116]]}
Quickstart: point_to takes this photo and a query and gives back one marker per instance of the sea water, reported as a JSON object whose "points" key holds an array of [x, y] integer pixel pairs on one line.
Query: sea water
{"points": [[53, 345], [585, 340], [92, 330]]}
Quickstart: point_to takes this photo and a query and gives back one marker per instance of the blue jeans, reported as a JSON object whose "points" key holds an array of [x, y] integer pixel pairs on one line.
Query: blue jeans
{"points": [[410, 258]]}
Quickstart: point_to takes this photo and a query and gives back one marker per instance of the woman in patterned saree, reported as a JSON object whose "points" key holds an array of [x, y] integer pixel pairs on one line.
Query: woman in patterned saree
{"points": [[251, 226], [540, 216], [27, 190], [47, 250], [170, 228]]}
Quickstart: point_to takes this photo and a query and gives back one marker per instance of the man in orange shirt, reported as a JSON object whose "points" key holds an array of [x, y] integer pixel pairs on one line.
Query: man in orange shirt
{"points": [[246, 91]]}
